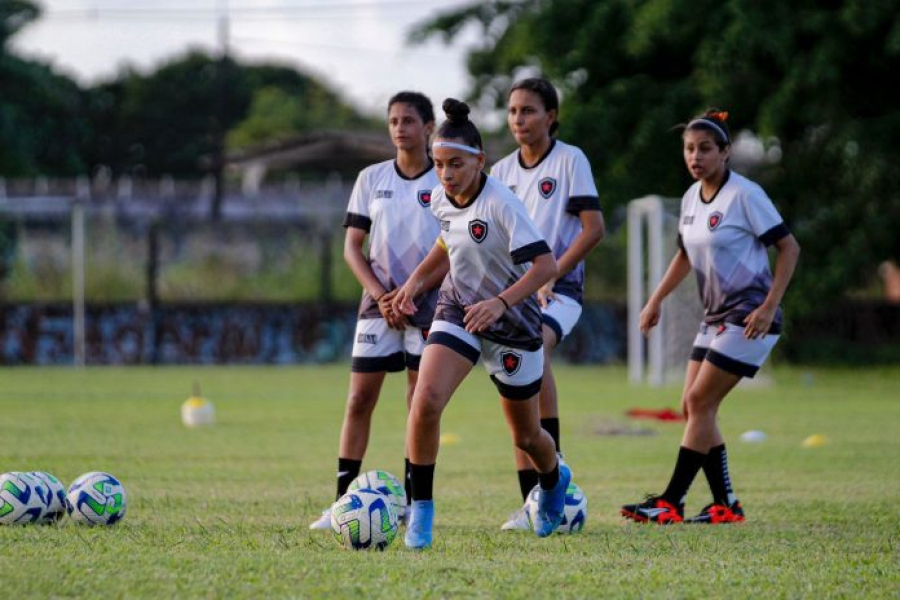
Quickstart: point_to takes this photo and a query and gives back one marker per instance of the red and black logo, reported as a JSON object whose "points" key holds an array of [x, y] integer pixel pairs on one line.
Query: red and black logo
{"points": [[425, 334], [425, 197], [478, 229], [547, 186], [720, 329], [510, 361], [714, 220]]}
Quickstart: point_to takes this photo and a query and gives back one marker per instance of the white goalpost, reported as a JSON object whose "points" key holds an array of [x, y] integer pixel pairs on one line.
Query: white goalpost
{"points": [[652, 233]]}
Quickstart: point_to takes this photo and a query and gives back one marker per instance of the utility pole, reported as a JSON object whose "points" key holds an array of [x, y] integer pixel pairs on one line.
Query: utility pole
{"points": [[221, 112]]}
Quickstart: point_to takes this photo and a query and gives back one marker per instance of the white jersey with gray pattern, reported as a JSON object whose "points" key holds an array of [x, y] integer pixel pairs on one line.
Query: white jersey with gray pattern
{"points": [[491, 243], [396, 213], [555, 191], [725, 239]]}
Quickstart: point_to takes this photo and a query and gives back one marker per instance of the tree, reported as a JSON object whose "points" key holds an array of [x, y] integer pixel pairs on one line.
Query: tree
{"points": [[808, 76]]}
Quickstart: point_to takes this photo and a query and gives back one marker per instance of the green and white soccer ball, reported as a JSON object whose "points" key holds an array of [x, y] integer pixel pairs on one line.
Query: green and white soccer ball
{"points": [[96, 498], [387, 484], [22, 498], [55, 498], [364, 520], [574, 514]]}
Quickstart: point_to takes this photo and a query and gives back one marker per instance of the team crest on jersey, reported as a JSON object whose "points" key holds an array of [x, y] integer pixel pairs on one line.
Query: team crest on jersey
{"points": [[424, 197], [714, 220], [547, 186], [478, 229], [510, 361]]}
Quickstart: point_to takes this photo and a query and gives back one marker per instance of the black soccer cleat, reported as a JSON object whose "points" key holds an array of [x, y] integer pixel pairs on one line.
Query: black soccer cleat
{"points": [[654, 509], [716, 513]]}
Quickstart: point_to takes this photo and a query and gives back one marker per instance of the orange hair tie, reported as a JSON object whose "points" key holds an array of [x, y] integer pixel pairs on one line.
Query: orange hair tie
{"points": [[720, 115]]}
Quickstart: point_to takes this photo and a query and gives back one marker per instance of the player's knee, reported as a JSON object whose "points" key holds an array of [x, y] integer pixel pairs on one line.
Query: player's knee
{"points": [[527, 441], [427, 403], [696, 404], [361, 403]]}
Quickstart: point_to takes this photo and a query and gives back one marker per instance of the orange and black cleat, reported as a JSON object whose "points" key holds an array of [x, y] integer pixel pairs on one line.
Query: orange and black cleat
{"points": [[654, 509], [719, 513]]}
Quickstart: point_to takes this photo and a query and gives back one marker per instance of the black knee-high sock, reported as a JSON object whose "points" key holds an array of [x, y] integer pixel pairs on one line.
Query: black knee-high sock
{"points": [[528, 478], [347, 471], [687, 466], [422, 479], [549, 480], [716, 469], [407, 482], [551, 426]]}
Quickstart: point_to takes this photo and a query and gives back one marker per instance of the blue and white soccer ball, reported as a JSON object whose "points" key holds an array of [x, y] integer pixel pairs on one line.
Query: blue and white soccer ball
{"points": [[96, 498], [574, 515], [22, 498], [364, 520], [54, 498], [387, 484]]}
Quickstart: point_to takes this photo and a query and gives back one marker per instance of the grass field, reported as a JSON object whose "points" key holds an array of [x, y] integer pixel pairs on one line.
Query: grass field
{"points": [[223, 511]]}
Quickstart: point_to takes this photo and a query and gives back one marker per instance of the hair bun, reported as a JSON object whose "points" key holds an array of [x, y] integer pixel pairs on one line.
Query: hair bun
{"points": [[457, 112]]}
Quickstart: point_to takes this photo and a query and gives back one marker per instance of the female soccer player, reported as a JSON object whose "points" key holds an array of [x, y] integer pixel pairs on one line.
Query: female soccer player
{"points": [[726, 224], [554, 181], [497, 259], [391, 203]]}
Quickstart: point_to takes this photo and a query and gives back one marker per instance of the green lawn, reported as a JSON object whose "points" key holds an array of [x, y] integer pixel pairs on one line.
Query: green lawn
{"points": [[223, 511]]}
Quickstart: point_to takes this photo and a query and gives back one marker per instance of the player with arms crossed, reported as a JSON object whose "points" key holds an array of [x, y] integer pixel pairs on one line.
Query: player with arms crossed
{"points": [[497, 260], [554, 181], [391, 204], [726, 224]]}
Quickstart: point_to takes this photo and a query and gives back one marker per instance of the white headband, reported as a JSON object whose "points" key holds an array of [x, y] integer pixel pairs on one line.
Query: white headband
{"points": [[463, 147], [710, 123]]}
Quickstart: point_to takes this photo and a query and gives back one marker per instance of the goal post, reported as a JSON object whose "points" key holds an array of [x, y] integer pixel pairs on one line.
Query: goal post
{"points": [[652, 233]]}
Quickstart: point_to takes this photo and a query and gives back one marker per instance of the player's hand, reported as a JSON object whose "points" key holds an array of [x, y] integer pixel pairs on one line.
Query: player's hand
{"points": [[402, 302], [759, 322], [650, 316], [545, 294], [482, 315], [395, 320]]}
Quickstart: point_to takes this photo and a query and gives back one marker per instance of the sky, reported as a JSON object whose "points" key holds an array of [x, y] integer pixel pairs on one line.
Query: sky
{"points": [[358, 47]]}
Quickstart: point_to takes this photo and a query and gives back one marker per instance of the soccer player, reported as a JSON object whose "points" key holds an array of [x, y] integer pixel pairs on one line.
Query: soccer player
{"points": [[497, 259], [391, 205], [554, 181], [726, 224]]}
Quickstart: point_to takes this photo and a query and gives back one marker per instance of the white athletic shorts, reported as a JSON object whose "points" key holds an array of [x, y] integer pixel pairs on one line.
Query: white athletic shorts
{"points": [[725, 346], [378, 348], [517, 373], [561, 315]]}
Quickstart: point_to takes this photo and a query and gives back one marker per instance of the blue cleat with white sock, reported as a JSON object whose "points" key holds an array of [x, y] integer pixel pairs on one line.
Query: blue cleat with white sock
{"points": [[552, 504], [419, 523]]}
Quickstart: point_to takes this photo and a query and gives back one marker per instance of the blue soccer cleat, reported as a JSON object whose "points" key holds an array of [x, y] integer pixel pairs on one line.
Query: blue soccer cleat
{"points": [[420, 521], [552, 504]]}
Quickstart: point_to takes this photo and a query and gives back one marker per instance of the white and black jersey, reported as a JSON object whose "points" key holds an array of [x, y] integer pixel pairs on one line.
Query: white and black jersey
{"points": [[491, 243], [725, 239], [396, 213], [555, 191]]}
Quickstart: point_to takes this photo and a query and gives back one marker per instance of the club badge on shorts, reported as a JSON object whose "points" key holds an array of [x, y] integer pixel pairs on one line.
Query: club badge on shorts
{"points": [[547, 186], [478, 229], [510, 361], [424, 197], [714, 220]]}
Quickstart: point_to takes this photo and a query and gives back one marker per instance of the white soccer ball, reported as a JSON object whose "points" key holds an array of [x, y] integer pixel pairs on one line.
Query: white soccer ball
{"points": [[96, 498], [574, 514], [197, 412], [387, 484], [21, 498], [364, 520], [55, 498]]}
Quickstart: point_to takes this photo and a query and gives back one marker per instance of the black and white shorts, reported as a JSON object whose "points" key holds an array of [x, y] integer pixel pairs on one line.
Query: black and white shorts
{"points": [[517, 373], [377, 348], [561, 314], [725, 346]]}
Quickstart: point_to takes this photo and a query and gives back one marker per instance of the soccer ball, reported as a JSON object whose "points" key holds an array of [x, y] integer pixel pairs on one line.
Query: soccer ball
{"points": [[55, 498], [364, 520], [21, 498], [385, 483], [96, 499], [574, 514]]}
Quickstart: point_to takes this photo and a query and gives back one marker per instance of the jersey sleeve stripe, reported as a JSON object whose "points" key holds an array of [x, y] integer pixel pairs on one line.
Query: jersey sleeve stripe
{"points": [[577, 204], [529, 251], [358, 221], [776, 233]]}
